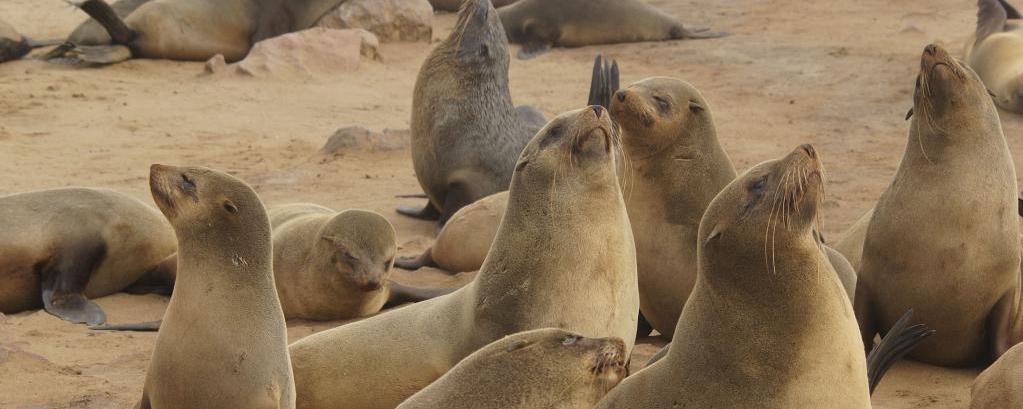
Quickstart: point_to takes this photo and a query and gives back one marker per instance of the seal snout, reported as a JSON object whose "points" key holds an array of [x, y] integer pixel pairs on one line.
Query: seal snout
{"points": [[610, 357], [160, 188]]}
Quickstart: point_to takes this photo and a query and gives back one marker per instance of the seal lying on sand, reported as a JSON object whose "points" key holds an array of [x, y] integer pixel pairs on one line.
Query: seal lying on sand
{"points": [[564, 257], [223, 343], [193, 30], [544, 368], [790, 327], [62, 247], [996, 52], [466, 133], [954, 258], [541, 24]]}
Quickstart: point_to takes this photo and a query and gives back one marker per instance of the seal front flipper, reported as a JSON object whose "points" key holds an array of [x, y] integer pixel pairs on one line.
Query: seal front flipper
{"points": [[680, 33], [531, 50], [100, 54], [148, 326], [901, 339], [604, 82], [991, 16], [1010, 11], [427, 212], [415, 262], [401, 294], [65, 277], [107, 17]]}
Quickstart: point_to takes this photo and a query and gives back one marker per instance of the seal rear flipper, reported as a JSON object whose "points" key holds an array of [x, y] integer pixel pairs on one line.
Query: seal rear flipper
{"points": [[427, 212], [148, 326], [681, 33], [991, 16], [65, 277], [101, 54], [401, 293], [901, 339], [107, 17], [415, 262], [532, 50], [604, 82], [1010, 11]]}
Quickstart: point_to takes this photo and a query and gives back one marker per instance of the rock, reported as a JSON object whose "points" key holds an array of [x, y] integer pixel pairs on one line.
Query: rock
{"points": [[216, 65], [313, 52], [354, 138], [390, 20]]}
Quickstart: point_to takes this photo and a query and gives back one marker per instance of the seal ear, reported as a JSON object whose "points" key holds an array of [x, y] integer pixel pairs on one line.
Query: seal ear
{"points": [[695, 107], [716, 233], [517, 345], [909, 114], [991, 16]]}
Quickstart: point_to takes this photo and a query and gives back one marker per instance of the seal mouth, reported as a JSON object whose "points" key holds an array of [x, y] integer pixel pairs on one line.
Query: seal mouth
{"points": [[937, 63], [160, 189], [610, 360]]}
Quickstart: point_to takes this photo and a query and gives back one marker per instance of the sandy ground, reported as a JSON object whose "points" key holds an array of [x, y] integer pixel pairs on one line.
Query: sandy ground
{"points": [[834, 73]]}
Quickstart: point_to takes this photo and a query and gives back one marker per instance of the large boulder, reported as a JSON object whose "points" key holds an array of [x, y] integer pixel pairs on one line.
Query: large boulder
{"points": [[314, 52], [390, 20]]}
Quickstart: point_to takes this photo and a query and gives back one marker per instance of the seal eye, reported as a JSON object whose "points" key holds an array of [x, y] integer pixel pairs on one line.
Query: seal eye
{"points": [[570, 340], [230, 207], [554, 131], [662, 103], [758, 186], [187, 184]]}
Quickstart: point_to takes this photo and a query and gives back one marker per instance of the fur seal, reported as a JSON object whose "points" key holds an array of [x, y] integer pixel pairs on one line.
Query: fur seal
{"points": [[564, 257], [465, 239], [191, 30], [1000, 385], [996, 52], [541, 24], [330, 265], [544, 368], [791, 328], [455, 5], [962, 274], [466, 133], [62, 247], [223, 343]]}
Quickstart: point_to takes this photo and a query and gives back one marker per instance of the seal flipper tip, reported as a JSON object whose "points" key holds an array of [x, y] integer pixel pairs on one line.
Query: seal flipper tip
{"points": [[73, 307], [427, 212], [105, 15], [415, 262], [899, 341], [532, 50], [141, 326], [605, 81]]}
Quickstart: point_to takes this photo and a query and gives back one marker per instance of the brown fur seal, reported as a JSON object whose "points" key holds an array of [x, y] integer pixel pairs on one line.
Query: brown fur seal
{"points": [[62, 247], [954, 258], [541, 24], [564, 257], [223, 343], [192, 30], [330, 265], [455, 5], [790, 326], [541, 369], [466, 134], [996, 52], [465, 239], [1001, 385]]}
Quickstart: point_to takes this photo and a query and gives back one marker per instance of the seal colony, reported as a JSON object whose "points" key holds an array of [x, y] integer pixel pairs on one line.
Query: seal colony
{"points": [[563, 251], [187, 30]]}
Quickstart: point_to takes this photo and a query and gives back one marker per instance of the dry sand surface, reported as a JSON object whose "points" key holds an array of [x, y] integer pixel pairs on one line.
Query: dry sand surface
{"points": [[838, 74]]}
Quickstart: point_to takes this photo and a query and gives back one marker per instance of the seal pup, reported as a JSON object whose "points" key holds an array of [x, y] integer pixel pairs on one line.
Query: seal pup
{"points": [[62, 247], [791, 328], [541, 24], [223, 343], [190, 30], [544, 368], [335, 265], [455, 5], [996, 52], [564, 257], [962, 274], [466, 133], [465, 239], [1000, 385]]}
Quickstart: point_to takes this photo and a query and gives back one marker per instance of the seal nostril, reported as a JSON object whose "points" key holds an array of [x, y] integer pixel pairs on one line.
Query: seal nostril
{"points": [[809, 150], [599, 110], [621, 96], [930, 49]]}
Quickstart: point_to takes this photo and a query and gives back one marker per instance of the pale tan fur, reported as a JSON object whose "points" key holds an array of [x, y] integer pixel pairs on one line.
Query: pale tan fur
{"points": [[463, 243], [1000, 386], [944, 236], [330, 265], [998, 60], [137, 238], [540, 369], [223, 343], [768, 324], [563, 257], [851, 244], [844, 269]]}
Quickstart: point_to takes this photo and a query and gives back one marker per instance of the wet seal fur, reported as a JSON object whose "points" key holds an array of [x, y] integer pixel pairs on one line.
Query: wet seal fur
{"points": [[466, 133], [564, 250], [223, 342], [63, 247], [189, 30], [962, 274], [541, 24], [544, 368], [995, 52]]}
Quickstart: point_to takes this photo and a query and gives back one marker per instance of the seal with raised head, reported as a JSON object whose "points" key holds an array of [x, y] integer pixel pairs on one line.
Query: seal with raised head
{"points": [[223, 342], [191, 30], [335, 265], [564, 257], [541, 24], [455, 5], [996, 52], [466, 133], [1000, 385], [62, 247], [790, 327], [540, 369], [944, 237]]}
